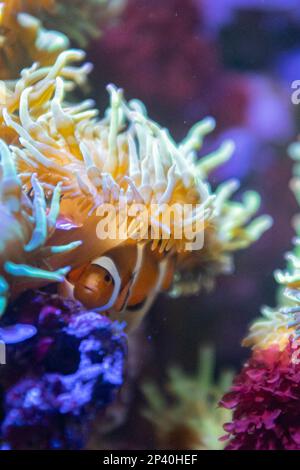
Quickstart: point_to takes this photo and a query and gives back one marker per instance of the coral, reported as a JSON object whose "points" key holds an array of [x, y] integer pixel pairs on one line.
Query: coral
{"points": [[61, 166], [187, 416], [265, 395], [108, 427], [265, 402], [55, 382]]}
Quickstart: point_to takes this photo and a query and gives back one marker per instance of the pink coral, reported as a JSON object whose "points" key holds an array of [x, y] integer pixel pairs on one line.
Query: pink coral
{"points": [[265, 399]]}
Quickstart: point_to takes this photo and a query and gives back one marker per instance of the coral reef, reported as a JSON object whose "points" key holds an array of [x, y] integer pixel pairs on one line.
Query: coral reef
{"points": [[265, 400], [187, 415], [66, 176], [56, 381], [264, 396]]}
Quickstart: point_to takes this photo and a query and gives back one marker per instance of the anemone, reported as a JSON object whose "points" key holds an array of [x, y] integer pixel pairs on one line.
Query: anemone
{"points": [[88, 17], [26, 226], [126, 159], [276, 326], [37, 31], [24, 40]]}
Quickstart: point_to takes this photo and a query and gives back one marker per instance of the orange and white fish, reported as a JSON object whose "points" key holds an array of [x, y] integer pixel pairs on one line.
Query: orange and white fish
{"points": [[122, 283]]}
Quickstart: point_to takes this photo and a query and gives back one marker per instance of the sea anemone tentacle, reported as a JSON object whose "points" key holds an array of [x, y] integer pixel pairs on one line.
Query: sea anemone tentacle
{"points": [[27, 226]]}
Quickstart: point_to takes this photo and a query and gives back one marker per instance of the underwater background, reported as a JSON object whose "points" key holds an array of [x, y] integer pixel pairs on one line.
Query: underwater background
{"points": [[235, 60]]}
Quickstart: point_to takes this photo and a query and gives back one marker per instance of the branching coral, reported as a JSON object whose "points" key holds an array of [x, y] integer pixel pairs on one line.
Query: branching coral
{"points": [[125, 159], [188, 416]]}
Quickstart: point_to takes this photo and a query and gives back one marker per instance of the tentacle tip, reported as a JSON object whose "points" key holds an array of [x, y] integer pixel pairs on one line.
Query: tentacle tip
{"points": [[3, 304]]}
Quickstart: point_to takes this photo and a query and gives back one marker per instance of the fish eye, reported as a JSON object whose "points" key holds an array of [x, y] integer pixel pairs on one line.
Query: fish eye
{"points": [[107, 278]]}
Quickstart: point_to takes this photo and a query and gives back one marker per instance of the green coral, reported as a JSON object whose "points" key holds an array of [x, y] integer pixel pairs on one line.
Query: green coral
{"points": [[186, 414]]}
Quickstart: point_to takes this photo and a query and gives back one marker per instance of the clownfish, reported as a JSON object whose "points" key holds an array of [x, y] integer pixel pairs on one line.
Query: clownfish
{"points": [[122, 283]]}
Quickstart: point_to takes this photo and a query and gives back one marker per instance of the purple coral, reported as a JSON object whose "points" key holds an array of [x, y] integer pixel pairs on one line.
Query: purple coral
{"points": [[55, 382]]}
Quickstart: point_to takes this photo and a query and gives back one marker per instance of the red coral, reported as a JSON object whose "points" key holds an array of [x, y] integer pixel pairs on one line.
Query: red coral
{"points": [[265, 399]]}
